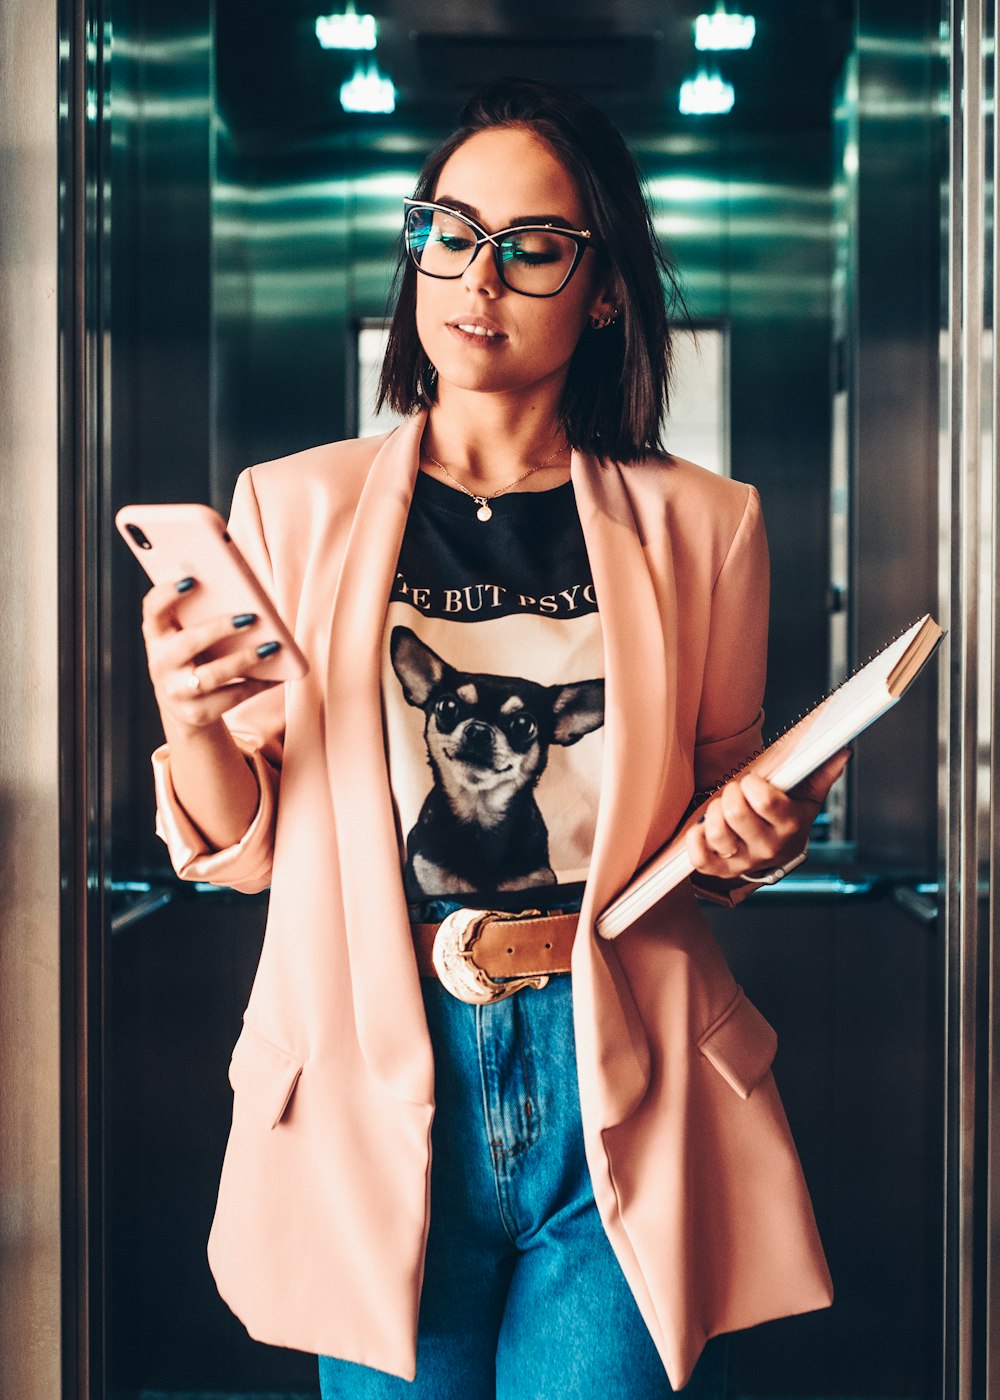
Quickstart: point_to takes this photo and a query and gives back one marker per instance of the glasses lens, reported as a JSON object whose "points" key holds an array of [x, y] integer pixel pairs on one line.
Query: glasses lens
{"points": [[441, 244], [536, 261]]}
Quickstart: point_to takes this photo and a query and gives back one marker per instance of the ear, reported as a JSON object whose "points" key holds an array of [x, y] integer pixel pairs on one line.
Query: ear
{"points": [[419, 669], [577, 710], [605, 306]]}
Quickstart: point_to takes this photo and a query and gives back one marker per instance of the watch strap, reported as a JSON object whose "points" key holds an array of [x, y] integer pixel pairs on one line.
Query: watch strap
{"points": [[778, 872]]}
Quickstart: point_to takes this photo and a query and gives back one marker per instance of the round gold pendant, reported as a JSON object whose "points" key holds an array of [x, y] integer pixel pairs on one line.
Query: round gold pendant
{"points": [[484, 513]]}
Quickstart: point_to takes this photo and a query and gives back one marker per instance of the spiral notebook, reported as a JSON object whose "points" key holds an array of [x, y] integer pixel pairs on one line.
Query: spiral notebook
{"points": [[834, 722]]}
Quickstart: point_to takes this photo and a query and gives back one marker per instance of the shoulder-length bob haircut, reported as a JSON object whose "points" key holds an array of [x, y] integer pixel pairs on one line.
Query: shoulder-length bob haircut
{"points": [[617, 389]]}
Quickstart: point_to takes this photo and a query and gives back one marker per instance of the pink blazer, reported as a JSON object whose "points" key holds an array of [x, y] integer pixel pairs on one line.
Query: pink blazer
{"points": [[319, 1234]]}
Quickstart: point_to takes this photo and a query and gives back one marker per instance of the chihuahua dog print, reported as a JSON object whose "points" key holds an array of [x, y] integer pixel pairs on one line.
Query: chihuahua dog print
{"points": [[488, 739]]}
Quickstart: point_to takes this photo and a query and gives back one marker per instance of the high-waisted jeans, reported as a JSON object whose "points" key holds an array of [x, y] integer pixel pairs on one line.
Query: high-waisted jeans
{"points": [[523, 1298]]}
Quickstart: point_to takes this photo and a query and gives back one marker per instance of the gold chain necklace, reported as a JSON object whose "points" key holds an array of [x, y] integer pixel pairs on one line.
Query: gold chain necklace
{"points": [[484, 512]]}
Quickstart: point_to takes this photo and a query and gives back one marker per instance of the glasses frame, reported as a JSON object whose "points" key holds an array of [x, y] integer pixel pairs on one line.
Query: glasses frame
{"points": [[582, 237]]}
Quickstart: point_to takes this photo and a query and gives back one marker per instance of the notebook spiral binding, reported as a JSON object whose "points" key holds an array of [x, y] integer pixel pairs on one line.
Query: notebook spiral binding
{"points": [[706, 793]]}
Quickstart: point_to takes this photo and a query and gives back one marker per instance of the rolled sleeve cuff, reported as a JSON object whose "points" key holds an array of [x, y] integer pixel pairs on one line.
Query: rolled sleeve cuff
{"points": [[716, 759], [244, 866]]}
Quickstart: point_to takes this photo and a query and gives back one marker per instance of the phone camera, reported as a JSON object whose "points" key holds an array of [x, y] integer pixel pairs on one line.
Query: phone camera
{"points": [[138, 536]]}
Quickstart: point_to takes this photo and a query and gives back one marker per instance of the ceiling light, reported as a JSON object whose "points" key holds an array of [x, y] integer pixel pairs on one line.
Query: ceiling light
{"points": [[348, 30], [706, 95], [368, 91], [723, 30]]}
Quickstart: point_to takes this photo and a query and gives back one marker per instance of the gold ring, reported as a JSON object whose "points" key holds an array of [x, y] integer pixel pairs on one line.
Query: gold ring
{"points": [[727, 855]]}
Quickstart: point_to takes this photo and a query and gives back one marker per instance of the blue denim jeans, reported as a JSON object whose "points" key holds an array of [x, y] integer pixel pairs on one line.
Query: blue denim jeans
{"points": [[523, 1298]]}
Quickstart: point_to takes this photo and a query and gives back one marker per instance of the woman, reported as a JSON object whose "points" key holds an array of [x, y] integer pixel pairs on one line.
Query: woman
{"points": [[532, 638]]}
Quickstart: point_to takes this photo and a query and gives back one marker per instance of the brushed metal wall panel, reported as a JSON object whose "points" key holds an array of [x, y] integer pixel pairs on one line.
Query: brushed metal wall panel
{"points": [[29, 742], [900, 160], [848, 987], [970, 554]]}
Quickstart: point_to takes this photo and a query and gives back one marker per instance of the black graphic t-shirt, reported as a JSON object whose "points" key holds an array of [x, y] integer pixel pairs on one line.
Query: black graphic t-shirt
{"points": [[493, 698]]}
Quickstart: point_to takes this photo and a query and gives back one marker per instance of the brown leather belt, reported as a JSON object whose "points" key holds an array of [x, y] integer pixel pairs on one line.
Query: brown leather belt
{"points": [[478, 948]]}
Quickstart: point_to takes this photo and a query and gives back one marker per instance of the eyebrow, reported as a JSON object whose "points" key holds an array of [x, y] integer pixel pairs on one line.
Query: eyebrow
{"points": [[472, 212]]}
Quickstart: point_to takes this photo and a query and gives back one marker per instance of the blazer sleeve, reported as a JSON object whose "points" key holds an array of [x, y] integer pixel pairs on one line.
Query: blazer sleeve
{"points": [[257, 725], [730, 717]]}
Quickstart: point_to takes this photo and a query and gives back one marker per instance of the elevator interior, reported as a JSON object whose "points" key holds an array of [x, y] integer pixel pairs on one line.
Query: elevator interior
{"points": [[250, 232]]}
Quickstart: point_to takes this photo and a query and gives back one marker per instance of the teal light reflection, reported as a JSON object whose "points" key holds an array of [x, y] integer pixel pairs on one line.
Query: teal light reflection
{"points": [[706, 95], [723, 30], [368, 91], [347, 30]]}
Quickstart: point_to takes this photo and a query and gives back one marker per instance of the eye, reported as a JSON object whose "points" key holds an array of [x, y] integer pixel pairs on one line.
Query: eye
{"points": [[452, 242], [536, 249], [447, 712], [449, 234], [522, 730]]}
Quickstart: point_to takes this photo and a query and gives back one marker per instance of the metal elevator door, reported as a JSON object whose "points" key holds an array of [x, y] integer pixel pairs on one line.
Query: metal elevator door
{"points": [[226, 232]]}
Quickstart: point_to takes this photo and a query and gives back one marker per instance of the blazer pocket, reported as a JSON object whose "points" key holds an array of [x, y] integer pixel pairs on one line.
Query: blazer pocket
{"points": [[263, 1076], [740, 1044]]}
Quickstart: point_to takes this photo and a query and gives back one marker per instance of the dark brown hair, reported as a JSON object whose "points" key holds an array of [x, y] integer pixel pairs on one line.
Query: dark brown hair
{"points": [[618, 383]]}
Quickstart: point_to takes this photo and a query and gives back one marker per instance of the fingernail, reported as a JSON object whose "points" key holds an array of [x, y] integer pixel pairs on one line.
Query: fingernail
{"points": [[244, 619], [268, 649], [700, 820], [185, 585]]}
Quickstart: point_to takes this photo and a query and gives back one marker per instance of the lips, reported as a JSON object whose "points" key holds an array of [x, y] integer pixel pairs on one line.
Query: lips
{"points": [[477, 327]]}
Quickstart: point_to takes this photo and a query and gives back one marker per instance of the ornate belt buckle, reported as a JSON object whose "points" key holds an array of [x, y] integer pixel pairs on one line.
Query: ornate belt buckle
{"points": [[453, 956]]}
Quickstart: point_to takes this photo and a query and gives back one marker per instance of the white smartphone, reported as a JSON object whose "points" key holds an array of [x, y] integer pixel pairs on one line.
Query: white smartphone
{"points": [[173, 542]]}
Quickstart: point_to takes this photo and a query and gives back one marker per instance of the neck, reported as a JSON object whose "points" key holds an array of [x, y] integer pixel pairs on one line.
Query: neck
{"points": [[486, 440]]}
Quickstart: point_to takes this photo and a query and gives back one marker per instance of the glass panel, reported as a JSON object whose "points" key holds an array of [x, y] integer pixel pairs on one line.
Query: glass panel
{"points": [[697, 426]]}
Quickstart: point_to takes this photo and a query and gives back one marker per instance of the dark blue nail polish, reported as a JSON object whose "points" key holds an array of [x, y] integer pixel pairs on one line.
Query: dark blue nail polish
{"points": [[268, 649], [244, 619], [700, 820], [185, 585]]}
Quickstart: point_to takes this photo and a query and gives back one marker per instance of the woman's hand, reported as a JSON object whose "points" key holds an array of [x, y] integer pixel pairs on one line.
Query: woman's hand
{"points": [[212, 779], [752, 826], [193, 694]]}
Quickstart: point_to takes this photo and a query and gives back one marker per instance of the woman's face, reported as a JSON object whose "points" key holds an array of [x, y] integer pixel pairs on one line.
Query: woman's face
{"points": [[499, 178]]}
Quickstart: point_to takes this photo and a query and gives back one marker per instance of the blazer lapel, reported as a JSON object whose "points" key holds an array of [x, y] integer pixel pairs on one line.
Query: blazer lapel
{"points": [[391, 1024], [639, 693], [639, 701]]}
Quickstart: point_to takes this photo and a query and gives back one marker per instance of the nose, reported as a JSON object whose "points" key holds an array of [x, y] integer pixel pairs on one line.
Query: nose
{"points": [[477, 742], [481, 276]]}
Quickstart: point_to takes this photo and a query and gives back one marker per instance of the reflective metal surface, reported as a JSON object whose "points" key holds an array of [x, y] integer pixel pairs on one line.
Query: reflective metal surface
{"points": [[895, 162], [30, 1244], [253, 228], [968, 559], [227, 229]]}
